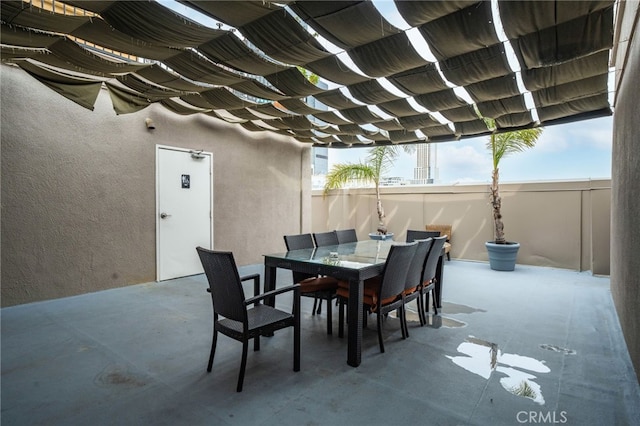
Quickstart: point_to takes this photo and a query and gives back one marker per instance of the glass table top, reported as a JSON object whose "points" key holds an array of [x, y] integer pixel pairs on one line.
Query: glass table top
{"points": [[351, 255]]}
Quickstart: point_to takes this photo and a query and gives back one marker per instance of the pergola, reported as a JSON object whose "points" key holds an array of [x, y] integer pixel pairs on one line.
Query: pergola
{"points": [[335, 74]]}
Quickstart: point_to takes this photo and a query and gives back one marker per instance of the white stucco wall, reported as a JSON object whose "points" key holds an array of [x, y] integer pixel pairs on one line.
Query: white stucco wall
{"points": [[78, 190]]}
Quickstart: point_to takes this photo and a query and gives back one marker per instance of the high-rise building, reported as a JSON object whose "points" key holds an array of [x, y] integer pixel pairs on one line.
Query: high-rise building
{"points": [[320, 160], [319, 155], [426, 164]]}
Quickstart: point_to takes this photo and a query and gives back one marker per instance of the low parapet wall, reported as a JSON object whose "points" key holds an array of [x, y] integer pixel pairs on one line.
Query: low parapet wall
{"points": [[562, 224]]}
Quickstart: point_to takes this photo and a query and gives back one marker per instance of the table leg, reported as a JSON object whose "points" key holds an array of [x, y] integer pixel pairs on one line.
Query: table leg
{"points": [[354, 318], [439, 278], [270, 283]]}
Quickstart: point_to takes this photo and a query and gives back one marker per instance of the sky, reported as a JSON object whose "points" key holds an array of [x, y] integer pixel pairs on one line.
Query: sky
{"points": [[579, 150]]}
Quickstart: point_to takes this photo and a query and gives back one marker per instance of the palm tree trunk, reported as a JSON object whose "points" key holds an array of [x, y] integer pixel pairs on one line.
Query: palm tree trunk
{"points": [[381, 226], [496, 202]]}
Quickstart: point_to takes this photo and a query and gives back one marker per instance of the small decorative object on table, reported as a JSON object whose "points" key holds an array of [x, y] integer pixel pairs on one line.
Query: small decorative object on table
{"points": [[377, 236]]}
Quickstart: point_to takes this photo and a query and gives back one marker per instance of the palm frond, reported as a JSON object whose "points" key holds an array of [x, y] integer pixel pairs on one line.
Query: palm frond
{"points": [[381, 158], [379, 161], [341, 174], [504, 144]]}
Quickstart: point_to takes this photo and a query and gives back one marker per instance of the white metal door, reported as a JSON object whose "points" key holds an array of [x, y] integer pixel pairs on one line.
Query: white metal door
{"points": [[184, 200]]}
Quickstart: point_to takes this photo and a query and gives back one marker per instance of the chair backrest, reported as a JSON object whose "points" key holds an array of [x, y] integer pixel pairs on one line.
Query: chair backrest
{"points": [[346, 236], [396, 267], [323, 239], [298, 242], [444, 230], [414, 274], [224, 282], [432, 258], [413, 235]]}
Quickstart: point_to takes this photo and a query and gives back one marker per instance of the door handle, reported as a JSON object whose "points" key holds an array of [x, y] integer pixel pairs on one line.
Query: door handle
{"points": [[164, 215]]}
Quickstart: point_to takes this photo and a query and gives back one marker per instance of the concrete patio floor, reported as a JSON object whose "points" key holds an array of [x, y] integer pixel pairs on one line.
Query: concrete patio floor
{"points": [[137, 356]]}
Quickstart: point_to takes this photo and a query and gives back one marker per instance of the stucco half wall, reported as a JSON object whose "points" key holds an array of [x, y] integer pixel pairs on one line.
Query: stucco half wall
{"points": [[78, 190], [563, 224]]}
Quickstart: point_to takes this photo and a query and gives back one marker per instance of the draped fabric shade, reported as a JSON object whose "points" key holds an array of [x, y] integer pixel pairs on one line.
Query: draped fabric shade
{"points": [[460, 32], [231, 51], [502, 106], [371, 92], [417, 13], [399, 108], [335, 20], [333, 69], [386, 56], [80, 90], [419, 80], [258, 66]]}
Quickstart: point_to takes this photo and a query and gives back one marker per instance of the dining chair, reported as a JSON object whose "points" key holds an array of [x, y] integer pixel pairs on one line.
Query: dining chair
{"points": [[444, 230], [320, 288], [429, 277], [346, 236], [413, 235], [244, 319], [383, 294], [414, 278], [323, 239]]}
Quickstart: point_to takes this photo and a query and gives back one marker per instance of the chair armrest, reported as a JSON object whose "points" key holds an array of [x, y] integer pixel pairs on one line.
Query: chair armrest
{"points": [[256, 282], [295, 287]]}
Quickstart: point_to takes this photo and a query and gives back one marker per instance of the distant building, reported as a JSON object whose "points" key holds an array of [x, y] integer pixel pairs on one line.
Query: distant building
{"points": [[319, 155], [427, 164], [393, 181], [320, 160]]}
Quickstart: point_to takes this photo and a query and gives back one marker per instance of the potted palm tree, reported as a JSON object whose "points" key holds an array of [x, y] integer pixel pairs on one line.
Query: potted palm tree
{"points": [[379, 161], [503, 253]]}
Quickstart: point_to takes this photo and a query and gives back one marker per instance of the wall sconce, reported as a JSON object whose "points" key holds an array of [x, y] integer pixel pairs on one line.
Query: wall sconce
{"points": [[149, 123]]}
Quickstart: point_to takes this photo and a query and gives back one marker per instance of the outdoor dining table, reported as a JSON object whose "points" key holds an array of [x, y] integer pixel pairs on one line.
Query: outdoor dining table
{"points": [[351, 262]]}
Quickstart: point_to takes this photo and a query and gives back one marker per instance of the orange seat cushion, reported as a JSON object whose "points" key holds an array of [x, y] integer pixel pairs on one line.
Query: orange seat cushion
{"points": [[371, 292], [313, 284], [410, 291]]}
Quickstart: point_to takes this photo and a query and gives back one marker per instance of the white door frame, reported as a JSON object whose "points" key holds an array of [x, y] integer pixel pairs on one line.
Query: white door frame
{"points": [[192, 152]]}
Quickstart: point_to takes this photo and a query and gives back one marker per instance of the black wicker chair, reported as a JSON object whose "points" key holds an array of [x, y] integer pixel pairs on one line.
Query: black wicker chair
{"points": [[320, 288], [384, 293], [346, 236], [414, 278], [323, 239], [240, 320], [429, 277], [413, 235]]}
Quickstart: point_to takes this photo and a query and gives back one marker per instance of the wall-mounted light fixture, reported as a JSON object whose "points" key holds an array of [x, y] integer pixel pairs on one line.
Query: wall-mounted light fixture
{"points": [[149, 123]]}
